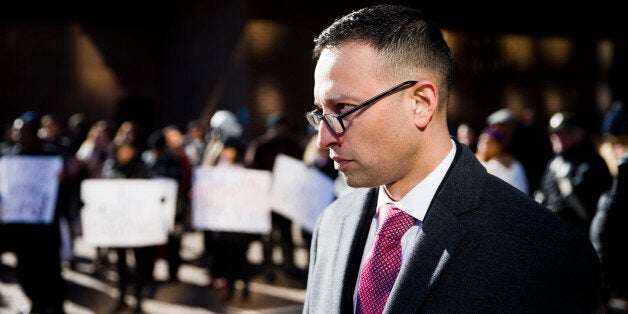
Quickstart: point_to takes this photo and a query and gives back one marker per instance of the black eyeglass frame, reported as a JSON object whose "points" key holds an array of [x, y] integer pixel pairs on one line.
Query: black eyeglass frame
{"points": [[312, 117]]}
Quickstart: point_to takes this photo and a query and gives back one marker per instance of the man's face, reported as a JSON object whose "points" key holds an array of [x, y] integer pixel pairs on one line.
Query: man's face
{"points": [[377, 144]]}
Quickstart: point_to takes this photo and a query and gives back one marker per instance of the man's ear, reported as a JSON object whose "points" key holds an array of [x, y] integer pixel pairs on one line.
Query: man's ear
{"points": [[425, 95]]}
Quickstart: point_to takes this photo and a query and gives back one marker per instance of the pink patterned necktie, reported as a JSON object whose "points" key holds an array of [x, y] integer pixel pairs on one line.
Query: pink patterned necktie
{"points": [[381, 267]]}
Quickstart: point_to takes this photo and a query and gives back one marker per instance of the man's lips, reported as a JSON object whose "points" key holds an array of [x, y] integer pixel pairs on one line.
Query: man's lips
{"points": [[339, 162]]}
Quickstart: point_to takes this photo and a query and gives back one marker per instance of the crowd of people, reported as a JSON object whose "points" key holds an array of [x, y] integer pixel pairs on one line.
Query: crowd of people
{"points": [[104, 150]]}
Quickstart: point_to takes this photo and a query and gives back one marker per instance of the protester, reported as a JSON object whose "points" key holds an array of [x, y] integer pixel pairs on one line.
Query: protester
{"points": [[224, 125], [260, 154], [78, 126], [163, 163], [526, 141], [36, 244], [174, 145], [230, 262], [92, 154], [126, 163], [575, 178], [475, 243], [55, 141], [491, 151], [608, 227], [96, 148], [194, 142], [467, 134]]}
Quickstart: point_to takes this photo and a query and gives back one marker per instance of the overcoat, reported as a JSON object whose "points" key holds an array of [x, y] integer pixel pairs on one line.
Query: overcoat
{"points": [[483, 247]]}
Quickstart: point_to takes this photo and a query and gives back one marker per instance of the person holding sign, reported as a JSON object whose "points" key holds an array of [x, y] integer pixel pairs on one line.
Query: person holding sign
{"points": [[426, 229], [35, 240], [127, 164], [230, 262], [162, 162], [261, 154]]}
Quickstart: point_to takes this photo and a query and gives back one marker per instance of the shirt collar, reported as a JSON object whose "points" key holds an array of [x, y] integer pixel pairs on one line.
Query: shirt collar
{"points": [[416, 202]]}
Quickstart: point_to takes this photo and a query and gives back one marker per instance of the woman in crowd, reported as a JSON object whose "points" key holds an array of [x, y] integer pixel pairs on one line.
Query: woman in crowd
{"points": [[491, 153]]}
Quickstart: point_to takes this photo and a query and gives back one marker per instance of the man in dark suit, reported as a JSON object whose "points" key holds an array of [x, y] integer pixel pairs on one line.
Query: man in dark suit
{"points": [[475, 244]]}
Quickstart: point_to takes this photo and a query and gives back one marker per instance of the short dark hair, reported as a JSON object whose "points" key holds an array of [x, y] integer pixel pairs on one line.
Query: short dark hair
{"points": [[404, 35], [157, 140], [29, 121]]}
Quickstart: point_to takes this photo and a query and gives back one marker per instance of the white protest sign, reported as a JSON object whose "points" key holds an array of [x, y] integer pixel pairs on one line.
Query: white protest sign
{"points": [[128, 212], [28, 188], [230, 198], [300, 192]]}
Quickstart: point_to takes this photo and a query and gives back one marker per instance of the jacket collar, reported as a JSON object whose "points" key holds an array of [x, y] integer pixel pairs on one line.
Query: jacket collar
{"points": [[440, 234]]}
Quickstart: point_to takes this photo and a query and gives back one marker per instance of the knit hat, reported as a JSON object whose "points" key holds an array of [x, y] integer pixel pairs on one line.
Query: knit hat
{"points": [[496, 133]]}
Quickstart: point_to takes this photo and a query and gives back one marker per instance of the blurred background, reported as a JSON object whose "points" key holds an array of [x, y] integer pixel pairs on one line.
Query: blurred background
{"points": [[169, 62]]}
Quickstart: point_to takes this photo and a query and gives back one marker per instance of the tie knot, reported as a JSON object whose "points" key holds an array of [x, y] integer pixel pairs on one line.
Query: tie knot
{"points": [[393, 222]]}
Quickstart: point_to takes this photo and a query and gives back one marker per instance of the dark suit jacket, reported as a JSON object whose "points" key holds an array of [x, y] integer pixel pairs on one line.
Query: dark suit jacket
{"points": [[484, 247]]}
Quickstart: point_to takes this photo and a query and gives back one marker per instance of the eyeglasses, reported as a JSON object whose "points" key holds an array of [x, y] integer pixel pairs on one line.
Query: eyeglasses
{"points": [[334, 120]]}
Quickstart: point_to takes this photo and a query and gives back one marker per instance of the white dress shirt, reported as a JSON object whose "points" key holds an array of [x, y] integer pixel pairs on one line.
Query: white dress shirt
{"points": [[415, 203]]}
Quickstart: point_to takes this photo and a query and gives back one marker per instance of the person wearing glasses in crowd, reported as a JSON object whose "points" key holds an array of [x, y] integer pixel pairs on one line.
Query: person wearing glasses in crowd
{"points": [[473, 243]]}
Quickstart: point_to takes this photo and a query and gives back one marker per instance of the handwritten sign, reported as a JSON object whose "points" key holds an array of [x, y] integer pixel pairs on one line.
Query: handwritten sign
{"points": [[128, 212], [28, 188], [300, 192], [230, 198]]}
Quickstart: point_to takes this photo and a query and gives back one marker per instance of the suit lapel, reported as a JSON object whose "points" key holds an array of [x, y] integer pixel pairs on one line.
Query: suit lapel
{"points": [[440, 234], [356, 224], [427, 260]]}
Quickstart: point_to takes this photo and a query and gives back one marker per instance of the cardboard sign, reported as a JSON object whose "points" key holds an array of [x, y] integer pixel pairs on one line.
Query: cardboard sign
{"points": [[28, 188], [231, 198], [300, 192], [128, 212]]}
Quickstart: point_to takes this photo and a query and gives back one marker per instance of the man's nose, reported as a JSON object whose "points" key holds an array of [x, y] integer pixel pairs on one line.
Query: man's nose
{"points": [[326, 136]]}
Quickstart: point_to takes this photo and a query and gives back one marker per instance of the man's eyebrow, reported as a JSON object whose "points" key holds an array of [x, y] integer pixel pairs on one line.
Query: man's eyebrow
{"points": [[330, 99]]}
